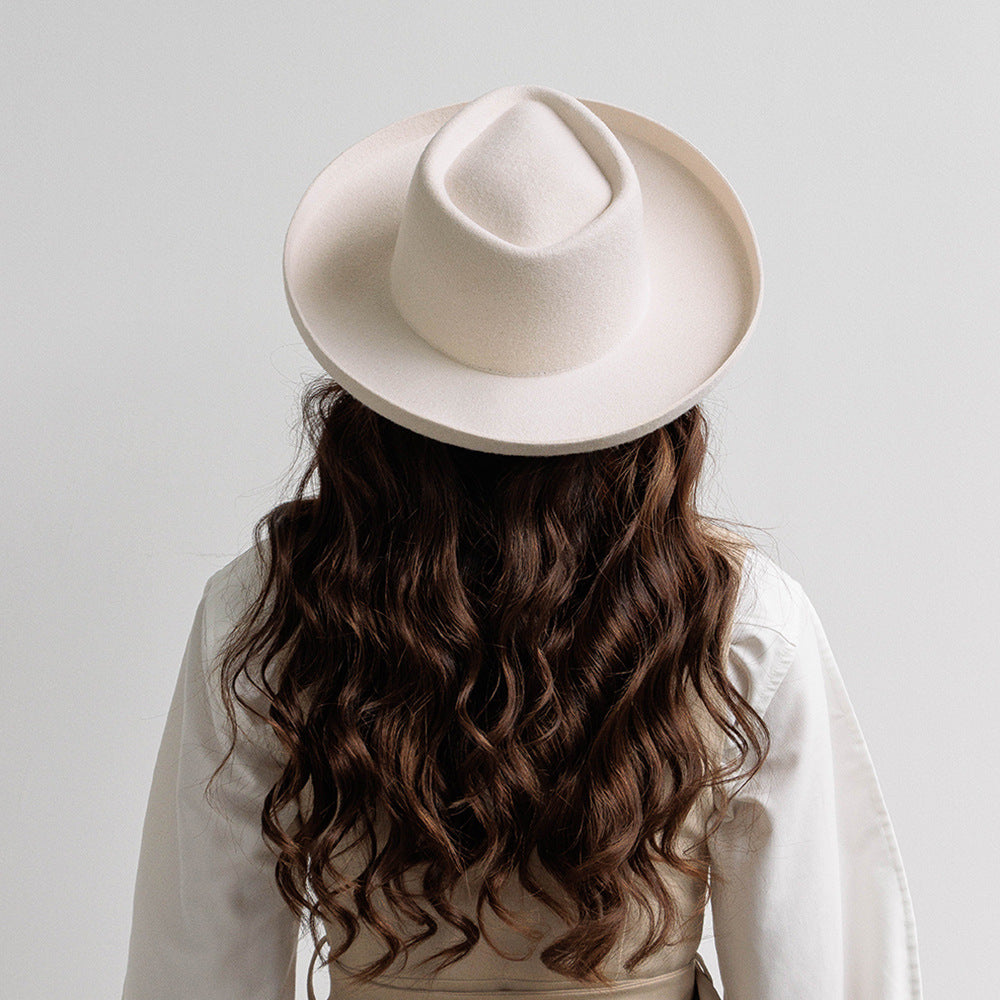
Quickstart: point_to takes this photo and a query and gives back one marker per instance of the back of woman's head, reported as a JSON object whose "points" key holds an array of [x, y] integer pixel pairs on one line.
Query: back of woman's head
{"points": [[499, 654]]}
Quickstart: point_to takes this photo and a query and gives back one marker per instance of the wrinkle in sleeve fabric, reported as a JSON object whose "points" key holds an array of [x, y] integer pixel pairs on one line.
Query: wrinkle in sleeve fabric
{"points": [[809, 895], [208, 921]]}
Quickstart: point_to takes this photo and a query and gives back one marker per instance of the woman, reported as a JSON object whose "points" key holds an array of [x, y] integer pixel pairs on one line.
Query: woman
{"points": [[489, 701]]}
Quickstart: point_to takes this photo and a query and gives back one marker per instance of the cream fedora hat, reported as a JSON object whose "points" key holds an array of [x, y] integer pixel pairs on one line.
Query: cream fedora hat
{"points": [[525, 273]]}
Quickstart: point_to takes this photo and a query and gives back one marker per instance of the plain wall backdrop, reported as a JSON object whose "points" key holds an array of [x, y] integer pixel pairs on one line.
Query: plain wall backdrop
{"points": [[153, 155]]}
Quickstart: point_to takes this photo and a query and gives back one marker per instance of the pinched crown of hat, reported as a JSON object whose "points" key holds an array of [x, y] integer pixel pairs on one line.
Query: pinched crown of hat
{"points": [[520, 246], [525, 273]]}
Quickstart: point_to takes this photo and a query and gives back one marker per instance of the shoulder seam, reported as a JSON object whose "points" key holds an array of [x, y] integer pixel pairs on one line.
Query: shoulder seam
{"points": [[761, 623], [208, 620], [788, 653]]}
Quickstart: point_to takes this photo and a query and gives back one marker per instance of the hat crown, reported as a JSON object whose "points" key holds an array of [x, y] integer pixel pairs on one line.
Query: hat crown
{"points": [[520, 245], [527, 178]]}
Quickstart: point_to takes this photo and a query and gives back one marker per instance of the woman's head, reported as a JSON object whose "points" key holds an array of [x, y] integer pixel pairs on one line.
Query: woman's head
{"points": [[499, 652]]}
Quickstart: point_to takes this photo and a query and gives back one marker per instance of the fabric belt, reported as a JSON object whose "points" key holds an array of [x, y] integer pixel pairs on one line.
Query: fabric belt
{"points": [[690, 982]]}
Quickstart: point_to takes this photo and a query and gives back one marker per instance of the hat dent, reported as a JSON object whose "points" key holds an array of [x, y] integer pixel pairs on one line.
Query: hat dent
{"points": [[527, 178], [558, 302]]}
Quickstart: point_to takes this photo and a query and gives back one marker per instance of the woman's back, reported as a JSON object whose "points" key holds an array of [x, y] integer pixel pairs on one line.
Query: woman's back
{"points": [[805, 844], [773, 621]]}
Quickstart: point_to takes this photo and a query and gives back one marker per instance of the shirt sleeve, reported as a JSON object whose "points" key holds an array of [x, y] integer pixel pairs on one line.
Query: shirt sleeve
{"points": [[208, 921], [809, 896]]}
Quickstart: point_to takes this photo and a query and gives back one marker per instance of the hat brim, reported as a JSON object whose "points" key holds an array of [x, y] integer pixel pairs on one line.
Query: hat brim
{"points": [[705, 297]]}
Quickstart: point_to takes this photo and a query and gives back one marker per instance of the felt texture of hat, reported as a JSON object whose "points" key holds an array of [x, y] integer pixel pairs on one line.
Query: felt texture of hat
{"points": [[526, 273]]}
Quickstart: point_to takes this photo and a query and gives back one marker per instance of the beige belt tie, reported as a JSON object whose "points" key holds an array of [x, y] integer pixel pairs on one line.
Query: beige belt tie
{"points": [[677, 985]]}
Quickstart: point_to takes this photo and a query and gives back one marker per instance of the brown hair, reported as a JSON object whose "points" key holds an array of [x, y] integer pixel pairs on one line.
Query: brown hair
{"points": [[498, 650]]}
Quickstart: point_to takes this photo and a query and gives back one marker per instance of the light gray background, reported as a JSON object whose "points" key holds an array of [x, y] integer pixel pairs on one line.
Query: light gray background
{"points": [[152, 157]]}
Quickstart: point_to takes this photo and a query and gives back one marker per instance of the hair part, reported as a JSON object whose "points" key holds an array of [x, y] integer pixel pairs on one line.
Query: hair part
{"points": [[498, 652]]}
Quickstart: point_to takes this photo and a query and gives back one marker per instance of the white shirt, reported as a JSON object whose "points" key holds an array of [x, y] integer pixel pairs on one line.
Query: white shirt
{"points": [[809, 895], [813, 900]]}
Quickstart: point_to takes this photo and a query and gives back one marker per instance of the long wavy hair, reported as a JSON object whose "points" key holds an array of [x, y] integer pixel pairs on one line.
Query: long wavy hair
{"points": [[498, 651]]}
